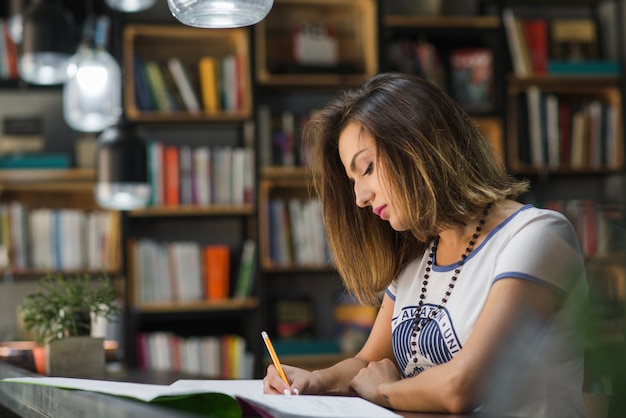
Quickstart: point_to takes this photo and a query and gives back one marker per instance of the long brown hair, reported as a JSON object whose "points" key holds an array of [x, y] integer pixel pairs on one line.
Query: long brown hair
{"points": [[441, 170]]}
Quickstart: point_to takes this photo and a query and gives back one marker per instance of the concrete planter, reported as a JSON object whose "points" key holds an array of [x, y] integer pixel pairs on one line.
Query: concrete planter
{"points": [[80, 357]]}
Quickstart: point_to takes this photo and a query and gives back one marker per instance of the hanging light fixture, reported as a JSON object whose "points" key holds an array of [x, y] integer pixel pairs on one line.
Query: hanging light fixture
{"points": [[92, 94], [130, 6], [15, 21], [121, 165], [48, 41], [219, 13]]}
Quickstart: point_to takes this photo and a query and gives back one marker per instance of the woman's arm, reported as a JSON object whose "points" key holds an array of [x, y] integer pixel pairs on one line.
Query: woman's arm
{"points": [[457, 386], [336, 379]]}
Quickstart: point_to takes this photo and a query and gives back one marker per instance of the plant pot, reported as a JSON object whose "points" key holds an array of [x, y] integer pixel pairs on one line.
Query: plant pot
{"points": [[39, 357], [80, 357]]}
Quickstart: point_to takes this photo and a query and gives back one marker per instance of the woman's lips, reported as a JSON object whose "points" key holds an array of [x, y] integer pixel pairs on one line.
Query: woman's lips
{"points": [[379, 210]]}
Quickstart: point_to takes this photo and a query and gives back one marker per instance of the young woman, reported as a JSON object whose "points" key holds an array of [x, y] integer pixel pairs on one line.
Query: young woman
{"points": [[480, 292]]}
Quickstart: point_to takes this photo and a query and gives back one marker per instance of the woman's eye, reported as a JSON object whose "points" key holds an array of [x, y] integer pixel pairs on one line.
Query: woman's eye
{"points": [[369, 169]]}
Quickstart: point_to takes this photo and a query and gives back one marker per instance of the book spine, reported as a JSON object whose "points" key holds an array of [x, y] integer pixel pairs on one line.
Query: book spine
{"points": [[183, 82], [216, 272], [171, 177], [208, 72]]}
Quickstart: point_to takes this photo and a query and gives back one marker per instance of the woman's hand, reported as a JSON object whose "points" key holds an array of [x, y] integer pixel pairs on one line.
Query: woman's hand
{"points": [[302, 381], [367, 381]]}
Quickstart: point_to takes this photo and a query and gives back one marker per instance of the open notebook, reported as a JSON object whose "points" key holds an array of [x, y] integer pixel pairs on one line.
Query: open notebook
{"points": [[222, 397]]}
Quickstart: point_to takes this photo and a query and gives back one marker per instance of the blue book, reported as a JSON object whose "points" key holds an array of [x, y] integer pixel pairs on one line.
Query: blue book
{"points": [[600, 67], [32, 161]]}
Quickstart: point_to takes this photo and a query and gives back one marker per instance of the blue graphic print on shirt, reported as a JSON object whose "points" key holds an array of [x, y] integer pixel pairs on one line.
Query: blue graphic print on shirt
{"points": [[437, 342]]}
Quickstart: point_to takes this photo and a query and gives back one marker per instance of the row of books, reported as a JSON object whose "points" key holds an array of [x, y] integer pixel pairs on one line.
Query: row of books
{"points": [[181, 175], [468, 75], [297, 233], [555, 46], [212, 84], [58, 239], [218, 357], [8, 53], [190, 271], [280, 137], [599, 227], [557, 131]]}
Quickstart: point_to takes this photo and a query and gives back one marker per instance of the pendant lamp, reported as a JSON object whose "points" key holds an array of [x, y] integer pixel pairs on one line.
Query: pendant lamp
{"points": [[92, 95], [219, 13], [121, 166], [48, 41], [130, 6]]}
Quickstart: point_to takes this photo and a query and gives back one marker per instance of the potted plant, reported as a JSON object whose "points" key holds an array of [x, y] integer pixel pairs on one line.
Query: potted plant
{"points": [[59, 317]]}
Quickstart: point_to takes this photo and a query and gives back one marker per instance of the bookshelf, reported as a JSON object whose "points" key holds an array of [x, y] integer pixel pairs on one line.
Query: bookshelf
{"points": [[565, 132], [290, 86], [197, 165]]}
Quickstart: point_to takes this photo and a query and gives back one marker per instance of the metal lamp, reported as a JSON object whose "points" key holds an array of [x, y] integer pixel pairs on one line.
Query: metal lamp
{"points": [[48, 41], [122, 168], [219, 13]]}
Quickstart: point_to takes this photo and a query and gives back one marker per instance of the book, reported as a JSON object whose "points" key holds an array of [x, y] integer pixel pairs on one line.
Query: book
{"points": [[22, 135], [247, 268], [144, 97], [573, 39], [535, 118], [536, 36], [171, 176], [184, 85], [156, 83], [471, 73], [10, 53], [216, 271], [584, 67], [209, 83], [516, 42], [33, 161], [186, 174], [233, 398]]}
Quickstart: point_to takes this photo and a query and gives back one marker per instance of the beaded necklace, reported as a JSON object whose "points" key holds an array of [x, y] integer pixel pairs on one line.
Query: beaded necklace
{"points": [[418, 324]]}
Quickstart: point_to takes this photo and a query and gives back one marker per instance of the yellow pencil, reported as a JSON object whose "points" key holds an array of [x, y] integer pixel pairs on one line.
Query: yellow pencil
{"points": [[270, 349]]}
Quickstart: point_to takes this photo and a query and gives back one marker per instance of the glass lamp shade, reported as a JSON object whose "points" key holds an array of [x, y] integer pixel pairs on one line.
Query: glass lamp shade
{"points": [[219, 13], [130, 6], [122, 173], [92, 94], [48, 41]]}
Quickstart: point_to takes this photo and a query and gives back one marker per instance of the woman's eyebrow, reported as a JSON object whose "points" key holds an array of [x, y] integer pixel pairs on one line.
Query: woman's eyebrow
{"points": [[354, 157]]}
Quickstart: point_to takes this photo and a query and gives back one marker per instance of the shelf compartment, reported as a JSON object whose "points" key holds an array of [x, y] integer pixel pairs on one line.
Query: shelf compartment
{"points": [[162, 42], [354, 24]]}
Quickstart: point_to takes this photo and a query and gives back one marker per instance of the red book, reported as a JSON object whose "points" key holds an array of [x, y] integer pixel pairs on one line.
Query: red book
{"points": [[536, 34], [10, 53], [216, 272], [171, 176]]}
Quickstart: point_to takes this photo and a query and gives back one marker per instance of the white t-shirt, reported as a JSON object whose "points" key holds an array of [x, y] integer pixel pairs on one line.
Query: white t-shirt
{"points": [[543, 363]]}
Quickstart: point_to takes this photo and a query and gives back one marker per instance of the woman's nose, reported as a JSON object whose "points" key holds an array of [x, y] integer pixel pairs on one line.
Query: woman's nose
{"points": [[363, 196]]}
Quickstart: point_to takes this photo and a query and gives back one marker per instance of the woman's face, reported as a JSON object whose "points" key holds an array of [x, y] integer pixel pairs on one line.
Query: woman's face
{"points": [[357, 151]]}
